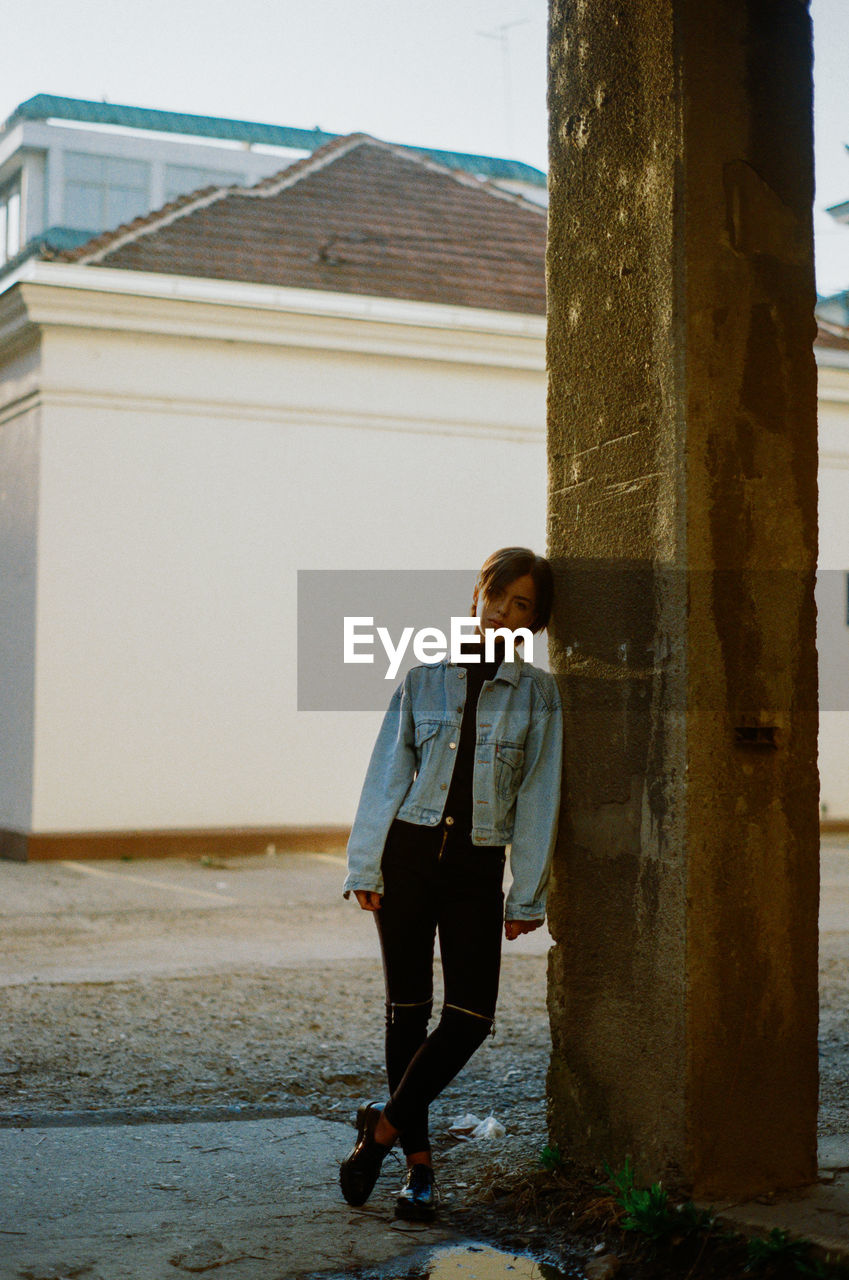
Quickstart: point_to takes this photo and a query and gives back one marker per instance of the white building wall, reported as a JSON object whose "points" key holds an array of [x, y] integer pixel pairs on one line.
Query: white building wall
{"points": [[184, 482], [833, 586], [33, 195], [175, 460], [19, 440]]}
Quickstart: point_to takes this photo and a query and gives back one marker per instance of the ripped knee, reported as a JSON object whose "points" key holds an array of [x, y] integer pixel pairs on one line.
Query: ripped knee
{"points": [[415, 1011], [475, 1025]]}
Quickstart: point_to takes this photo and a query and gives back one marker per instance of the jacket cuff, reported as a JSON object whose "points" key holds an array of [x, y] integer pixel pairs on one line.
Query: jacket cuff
{"points": [[521, 911], [354, 883]]}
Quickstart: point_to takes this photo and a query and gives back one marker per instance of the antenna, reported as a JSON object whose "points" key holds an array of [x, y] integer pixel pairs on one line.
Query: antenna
{"points": [[501, 34]]}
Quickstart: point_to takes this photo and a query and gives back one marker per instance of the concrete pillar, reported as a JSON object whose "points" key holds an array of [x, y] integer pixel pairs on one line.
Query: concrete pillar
{"points": [[682, 523]]}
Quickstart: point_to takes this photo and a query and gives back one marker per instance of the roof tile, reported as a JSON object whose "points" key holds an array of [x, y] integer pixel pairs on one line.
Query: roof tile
{"points": [[357, 216], [832, 336]]}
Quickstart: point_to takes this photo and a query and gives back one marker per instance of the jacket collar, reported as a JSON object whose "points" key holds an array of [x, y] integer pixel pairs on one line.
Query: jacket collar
{"points": [[511, 670]]}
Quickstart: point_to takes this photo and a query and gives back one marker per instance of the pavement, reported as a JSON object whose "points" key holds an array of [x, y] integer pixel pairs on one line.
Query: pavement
{"points": [[258, 1199], [254, 1198], [110, 921], [147, 1193]]}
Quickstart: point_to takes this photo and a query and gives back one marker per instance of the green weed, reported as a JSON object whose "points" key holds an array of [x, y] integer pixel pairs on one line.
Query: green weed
{"points": [[550, 1158], [648, 1210], [782, 1254]]}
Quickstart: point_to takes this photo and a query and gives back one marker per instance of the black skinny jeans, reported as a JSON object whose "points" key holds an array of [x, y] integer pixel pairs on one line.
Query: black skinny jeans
{"points": [[435, 879]]}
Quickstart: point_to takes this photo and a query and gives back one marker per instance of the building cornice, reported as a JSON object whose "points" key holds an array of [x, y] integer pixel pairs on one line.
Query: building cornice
{"points": [[832, 358], [48, 294], [282, 415], [16, 326]]}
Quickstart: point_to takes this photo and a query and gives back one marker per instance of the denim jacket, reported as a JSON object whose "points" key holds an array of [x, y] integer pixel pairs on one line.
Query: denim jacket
{"points": [[518, 749]]}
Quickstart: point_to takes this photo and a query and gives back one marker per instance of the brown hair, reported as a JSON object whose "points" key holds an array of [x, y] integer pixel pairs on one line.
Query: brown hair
{"points": [[510, 563]]}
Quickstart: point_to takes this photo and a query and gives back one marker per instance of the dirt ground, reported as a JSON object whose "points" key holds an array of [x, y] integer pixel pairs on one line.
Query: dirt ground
{"points": [[288, 1030], [306, 1037], [167, 985], [310, 1037], [301, 1035]]}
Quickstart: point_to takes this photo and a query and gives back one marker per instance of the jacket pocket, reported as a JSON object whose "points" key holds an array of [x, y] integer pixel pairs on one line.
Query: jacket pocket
{"points": [[508, 770], [426, 731]]}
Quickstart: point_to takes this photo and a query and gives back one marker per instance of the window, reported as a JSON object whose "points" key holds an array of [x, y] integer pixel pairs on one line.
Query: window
{"points": [[101, 192], [10, 220], [180, 179]]}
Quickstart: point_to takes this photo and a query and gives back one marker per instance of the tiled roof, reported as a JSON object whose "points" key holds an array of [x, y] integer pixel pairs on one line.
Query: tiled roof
{"points": [[833, 337], [48, 106], [357, 216]]}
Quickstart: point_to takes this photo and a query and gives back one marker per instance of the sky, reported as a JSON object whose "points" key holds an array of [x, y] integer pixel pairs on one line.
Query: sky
{"points": [[464, 75]]}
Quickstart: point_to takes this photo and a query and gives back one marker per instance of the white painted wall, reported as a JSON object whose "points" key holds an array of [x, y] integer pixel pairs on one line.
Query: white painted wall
{"points": [[19, 437], [199, 443], [832, 593], [183, 484]]}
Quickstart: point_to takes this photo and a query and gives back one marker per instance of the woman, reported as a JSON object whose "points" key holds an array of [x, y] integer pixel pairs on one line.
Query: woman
{"points": [[467, 761]]}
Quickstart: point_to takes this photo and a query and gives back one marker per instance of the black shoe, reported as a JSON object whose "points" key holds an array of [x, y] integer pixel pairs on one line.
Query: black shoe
{"points": [[418, 1198], [359, 1170]]}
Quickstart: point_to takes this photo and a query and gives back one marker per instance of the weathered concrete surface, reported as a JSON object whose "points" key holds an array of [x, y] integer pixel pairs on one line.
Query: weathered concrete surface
{"points": [[682, 522], [254, 1198]]}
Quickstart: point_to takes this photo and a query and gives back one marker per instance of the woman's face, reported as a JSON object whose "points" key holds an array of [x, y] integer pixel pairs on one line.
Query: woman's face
{"points": [[514, 607]]}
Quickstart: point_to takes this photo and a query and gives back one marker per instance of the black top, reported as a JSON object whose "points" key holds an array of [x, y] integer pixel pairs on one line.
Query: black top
{"points": [[459, 801]]}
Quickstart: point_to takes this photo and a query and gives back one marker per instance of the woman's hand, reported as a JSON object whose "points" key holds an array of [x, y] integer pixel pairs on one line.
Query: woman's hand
{"points": [[368, 899], [512, 928]]}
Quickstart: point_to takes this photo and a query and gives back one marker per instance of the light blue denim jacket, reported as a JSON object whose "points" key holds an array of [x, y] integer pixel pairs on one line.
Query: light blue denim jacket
{"points": [[516, 796]]}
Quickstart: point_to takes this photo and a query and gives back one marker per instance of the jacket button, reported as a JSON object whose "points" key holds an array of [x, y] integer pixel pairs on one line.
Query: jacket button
{"points": [[449, 822], [443, 786], [460, 675], [460, 708], [452, 745]]}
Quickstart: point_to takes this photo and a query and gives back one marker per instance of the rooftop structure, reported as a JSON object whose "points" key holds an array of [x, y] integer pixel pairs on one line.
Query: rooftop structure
{"points": [[358, 216], [834, 308], [71, 168]]}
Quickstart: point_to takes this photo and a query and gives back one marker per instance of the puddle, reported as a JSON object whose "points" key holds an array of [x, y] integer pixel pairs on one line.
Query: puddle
{"points": [[469, 1262], [482, 1262]]}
